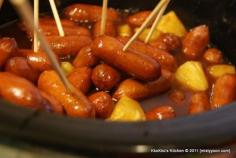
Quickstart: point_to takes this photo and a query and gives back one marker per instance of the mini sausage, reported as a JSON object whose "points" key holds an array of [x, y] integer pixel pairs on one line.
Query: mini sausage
{"points": [[48, 21], [177, 96], [111, 29], [103, 104], [105, 77], [199, 103], [50, 83], [161, 113], [167, 42], [223, 91], [195, 42], [139, 91], [213, 56], [131, 88], [55, 105], [51, 21], [20, 91], [68, 45], [85, 57], [8, 46], [166, 60], [137, 65], [38, 61], [51, 30], [138, 18], [161, 85], [81, 78], [88, 13], [20, 67]]}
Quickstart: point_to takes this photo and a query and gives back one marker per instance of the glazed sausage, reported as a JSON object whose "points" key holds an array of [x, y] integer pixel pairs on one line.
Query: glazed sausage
{"points": [[81, 78], [199, 103], [38, 61], [51, 30], [137, 65], [224, 91], [166, 60], [161, 85], [48, 21], [138, 18], [51, 21], [111, 29], [55, 104], [88, 13], [195, 42], [19, 66], [105, 77], [167, 42], [85, 57], [50, 83], [103, 104], [139, 91], [213, 56], [177, 96], [20, 91], [68, 45], [131, 88], [161, 113], [8, 46]]}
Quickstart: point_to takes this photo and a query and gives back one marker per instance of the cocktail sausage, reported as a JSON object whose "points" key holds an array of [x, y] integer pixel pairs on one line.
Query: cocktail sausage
{"points": [[50, 83], [137, 65], [89, 13]]}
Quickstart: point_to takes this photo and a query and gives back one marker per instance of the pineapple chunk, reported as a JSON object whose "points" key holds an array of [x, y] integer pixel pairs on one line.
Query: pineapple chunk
{"points": [[125, 31], [67, 67], [170, 23], [217, 71], [191, 75], [156, 34], [127, 109]]}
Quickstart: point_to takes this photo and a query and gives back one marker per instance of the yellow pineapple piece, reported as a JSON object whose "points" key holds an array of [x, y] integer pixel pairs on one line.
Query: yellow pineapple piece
{"points": [[127, 109], [170, 23], [192, 76], [67, 67], [125, 30]]}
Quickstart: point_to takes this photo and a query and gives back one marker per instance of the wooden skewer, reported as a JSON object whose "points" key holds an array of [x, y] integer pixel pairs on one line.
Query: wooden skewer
{"points": [[104, 17], [158, 18], [57, 18], [1, 2], [145, 24], [24, 9], [36, 22]]}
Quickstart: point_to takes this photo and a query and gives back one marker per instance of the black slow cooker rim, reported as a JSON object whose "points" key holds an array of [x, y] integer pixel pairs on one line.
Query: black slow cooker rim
{"points": [[214, 127], [211, 128]]}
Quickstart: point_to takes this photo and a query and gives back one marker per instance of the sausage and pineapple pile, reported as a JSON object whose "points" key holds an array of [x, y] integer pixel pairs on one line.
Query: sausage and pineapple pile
{"points": [[175, 62]]}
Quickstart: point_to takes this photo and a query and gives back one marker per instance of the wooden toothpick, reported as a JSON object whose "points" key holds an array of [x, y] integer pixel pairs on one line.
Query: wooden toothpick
{"points": [[57, 18], [104, 17], [145, 24], [36, 22], [157, 20]]}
